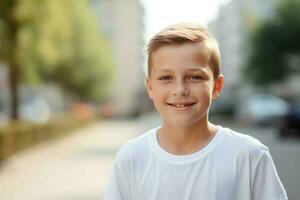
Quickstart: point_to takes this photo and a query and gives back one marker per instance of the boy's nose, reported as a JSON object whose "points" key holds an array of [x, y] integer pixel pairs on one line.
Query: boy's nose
{"points": [[181, 90]]}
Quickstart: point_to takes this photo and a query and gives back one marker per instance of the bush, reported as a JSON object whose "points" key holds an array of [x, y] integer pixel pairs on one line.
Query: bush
{"points": [[20, 135]]}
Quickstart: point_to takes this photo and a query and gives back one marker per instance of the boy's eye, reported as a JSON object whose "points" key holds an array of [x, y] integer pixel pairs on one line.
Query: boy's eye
{"points": [[194, 78], [164, 78]]}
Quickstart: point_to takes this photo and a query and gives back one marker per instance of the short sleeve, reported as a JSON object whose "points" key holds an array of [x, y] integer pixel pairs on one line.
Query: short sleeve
{"points": [[118, 185], [266, 183]]}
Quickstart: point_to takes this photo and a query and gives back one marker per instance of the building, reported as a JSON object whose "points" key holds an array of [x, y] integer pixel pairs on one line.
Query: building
{"points": [[121, 21], [231, 28]]}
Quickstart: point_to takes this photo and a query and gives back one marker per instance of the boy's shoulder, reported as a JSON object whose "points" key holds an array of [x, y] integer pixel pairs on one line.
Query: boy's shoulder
{"points": [[134, 147], [243, 142]]}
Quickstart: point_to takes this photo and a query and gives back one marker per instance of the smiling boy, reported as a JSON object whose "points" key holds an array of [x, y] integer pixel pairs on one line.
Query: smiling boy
{"points": [[188, 157]]}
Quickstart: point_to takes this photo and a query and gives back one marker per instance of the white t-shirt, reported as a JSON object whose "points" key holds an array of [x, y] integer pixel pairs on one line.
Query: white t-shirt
{"points": [[233, 166]]}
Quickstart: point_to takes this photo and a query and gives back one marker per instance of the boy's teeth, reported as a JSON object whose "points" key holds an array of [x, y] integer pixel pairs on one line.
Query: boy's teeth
{"points": [[179, 106]]}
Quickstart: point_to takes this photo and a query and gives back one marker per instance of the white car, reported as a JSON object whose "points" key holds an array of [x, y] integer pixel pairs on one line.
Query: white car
{"points": [[36, 111], [262, 109]]}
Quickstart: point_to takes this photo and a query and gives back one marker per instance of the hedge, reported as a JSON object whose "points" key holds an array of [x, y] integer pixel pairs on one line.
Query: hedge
{"points": [[17, 136]]}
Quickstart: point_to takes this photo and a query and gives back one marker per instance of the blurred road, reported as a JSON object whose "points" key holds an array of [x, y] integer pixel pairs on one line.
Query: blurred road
{"points": [[74, 168], [78, 166]]}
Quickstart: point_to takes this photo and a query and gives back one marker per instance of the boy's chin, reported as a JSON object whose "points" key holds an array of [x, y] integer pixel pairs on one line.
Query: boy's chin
{"points": [[181, 122]]}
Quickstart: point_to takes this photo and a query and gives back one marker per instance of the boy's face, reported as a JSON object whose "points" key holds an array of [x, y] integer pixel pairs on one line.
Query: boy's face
{"points": [[181, 85]]}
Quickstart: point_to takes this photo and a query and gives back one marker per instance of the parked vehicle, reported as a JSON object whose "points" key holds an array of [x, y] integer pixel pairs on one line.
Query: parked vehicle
{"points": [[262, 109], [37, 111], [290, 124]]}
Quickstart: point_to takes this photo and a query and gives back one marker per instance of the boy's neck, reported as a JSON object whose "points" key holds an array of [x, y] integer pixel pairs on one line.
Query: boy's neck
{"points": [[182, 140]]}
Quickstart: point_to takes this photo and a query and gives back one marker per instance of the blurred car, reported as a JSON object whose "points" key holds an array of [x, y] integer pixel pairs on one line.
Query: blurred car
{"points": [[262, 109], [36, 110], [290, 124]]}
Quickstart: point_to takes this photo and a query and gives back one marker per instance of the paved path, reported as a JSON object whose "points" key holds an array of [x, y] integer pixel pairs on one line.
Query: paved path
{"points": [[74, 168], [78, 166]]}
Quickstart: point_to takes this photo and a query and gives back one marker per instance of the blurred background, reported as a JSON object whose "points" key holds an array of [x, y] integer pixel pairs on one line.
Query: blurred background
{"points": [[72, 85]]}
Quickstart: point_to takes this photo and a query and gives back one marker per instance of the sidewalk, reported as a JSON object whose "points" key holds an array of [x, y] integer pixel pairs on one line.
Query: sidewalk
{"points": [[74, 168]]}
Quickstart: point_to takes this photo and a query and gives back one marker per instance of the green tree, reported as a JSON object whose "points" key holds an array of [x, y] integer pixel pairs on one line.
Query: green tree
{"points": [[276, 47], [9, 28], [68, 47], [90, 65], [44, 36], [54, 40]]}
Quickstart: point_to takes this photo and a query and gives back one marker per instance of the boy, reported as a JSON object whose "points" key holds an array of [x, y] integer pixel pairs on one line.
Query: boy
{"points": [[188, 157]]}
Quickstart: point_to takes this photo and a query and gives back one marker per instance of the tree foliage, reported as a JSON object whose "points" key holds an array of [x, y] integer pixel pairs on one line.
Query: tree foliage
{"points": [[57, 41], [62, 43], [90, 61], [276, 46]]}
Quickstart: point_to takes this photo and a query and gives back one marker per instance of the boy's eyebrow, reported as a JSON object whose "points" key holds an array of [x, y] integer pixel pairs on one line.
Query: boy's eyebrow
{"points": [[197, 69], [189, 69]]}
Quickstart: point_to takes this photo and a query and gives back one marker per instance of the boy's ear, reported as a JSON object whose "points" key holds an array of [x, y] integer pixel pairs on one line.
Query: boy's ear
{"points": [[218, 86], [149, 87]]}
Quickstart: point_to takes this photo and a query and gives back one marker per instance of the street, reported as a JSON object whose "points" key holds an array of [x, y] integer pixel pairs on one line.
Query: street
{"points": [[77, 167], [74, 168]]}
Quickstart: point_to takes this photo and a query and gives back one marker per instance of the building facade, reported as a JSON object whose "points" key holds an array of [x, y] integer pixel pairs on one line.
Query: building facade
{"points": [[231, 28], [122, 23]]}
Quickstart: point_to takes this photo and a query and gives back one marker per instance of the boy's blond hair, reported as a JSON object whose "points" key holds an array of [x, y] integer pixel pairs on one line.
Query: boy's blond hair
{"points": [[183, 33]]}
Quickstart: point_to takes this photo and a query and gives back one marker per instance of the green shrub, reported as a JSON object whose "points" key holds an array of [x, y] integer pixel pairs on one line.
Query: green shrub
{"points": [[19, 135]]}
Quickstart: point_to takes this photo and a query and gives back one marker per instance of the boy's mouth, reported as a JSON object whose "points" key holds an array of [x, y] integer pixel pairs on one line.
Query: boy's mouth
{"points": [[180, 105]]}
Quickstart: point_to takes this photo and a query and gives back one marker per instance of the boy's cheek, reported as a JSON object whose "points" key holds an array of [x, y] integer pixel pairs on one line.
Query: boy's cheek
{"points": [[150, 94]]}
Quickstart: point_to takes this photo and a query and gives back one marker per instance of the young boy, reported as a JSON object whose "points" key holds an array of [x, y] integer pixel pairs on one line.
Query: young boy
{"points": [[188, 157]]}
